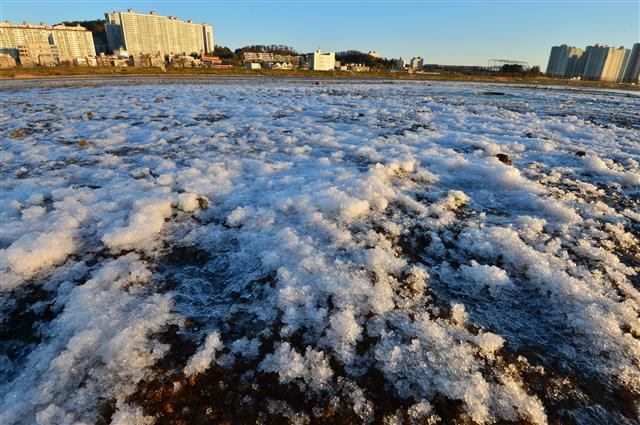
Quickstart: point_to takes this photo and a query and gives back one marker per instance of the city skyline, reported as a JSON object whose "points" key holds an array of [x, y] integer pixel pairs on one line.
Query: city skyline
{"points": [[394, 29]]}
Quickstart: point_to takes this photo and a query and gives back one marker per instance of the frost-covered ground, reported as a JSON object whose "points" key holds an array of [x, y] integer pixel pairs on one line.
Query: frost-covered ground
{"points": [[344, 253]]}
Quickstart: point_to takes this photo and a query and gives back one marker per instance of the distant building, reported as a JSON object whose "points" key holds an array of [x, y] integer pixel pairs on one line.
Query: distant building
{"points": [[209, 47], [399, 63], [575, 65], [72, 42], [142, 33], [104, 60], [292, 59], [258, 57], [282, 65], [121, 53], [563, 60], [210, 60], [615, 64], [7, 61], [497, 65], [148, 60], [271, 60], [374, 54], [184, 61], [416, 63], [623, 65], [100, 44], [319, 61], [603, 62], [353, 67], [69, 42], [632, 70], [38, 54]]}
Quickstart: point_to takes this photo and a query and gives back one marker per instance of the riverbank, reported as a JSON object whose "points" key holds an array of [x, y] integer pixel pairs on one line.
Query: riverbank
{"points": [[70, 72]]}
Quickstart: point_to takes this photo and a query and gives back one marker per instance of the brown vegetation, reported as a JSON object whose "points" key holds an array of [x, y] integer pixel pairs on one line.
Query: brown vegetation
{"points": [[64, 72]]}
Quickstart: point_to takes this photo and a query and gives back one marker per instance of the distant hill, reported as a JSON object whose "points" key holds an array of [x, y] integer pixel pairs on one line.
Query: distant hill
{"points": [[96, 26], [356, 56]]}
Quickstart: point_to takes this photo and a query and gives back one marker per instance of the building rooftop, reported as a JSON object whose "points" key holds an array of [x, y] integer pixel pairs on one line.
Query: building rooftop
{"points": [[42, 25]]}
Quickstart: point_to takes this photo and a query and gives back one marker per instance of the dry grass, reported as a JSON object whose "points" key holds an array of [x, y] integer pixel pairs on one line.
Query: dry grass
{"points": [[63, 72]]}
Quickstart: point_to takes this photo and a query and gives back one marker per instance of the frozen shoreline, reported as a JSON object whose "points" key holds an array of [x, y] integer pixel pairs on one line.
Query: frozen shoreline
{"points": [[88, 81]]}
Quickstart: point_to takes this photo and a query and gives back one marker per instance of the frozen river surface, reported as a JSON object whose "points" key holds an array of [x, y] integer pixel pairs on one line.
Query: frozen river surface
{"points": [[295, 252]]}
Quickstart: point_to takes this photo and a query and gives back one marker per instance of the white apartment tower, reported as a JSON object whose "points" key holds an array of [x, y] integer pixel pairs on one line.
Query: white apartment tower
{"points": [[150, 33], [319, 61], [417, 63], [208, 38], [69, 42]]}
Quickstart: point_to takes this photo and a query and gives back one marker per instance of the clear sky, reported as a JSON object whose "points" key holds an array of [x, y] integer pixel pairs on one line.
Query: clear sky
{"points": [[465, 32]]}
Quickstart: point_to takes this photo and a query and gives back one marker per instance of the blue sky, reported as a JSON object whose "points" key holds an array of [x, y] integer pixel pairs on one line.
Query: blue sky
{"points": [[446, 32]]}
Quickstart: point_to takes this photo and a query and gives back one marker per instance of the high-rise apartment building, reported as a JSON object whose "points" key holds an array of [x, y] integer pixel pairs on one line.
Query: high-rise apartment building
{"points": [[73, 42], [400, 63], [623, 65], [563, 60], [575, 65], [604, 63], [632, 70], [416, 63], [208, 38], [615, 64], [142, 33], [68, 42]]}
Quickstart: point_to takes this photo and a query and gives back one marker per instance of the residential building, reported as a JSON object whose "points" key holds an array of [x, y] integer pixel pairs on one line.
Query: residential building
{"points": [[14, 35], [319, 61], [563, 60], [624, 64], [38, 54], [104, 60], [141, 33], [185, 61], [374, 54], [358, 67], [603, 62], [70, 42], [100, 44], [400, 63], [148, 60], [616, 61], [7, 61], [210, 61], [416, 63], [282, 66], [258, 57], [293, 60], [575, 65], [632, 70], [268, 60], [207, 29]]}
